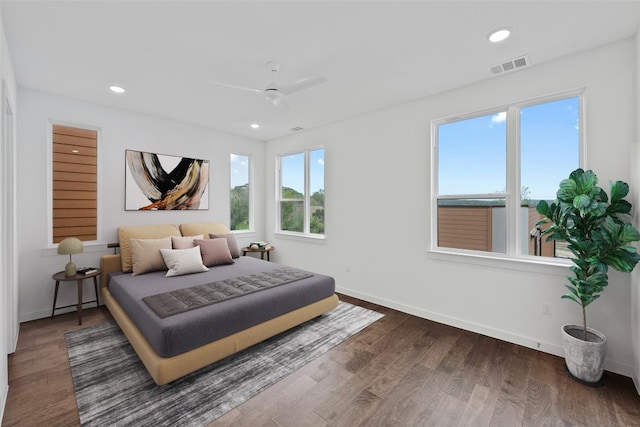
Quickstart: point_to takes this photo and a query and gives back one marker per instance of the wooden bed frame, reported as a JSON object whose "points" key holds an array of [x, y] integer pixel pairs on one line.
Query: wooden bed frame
{"points": [[166, 369], [163, 370]]}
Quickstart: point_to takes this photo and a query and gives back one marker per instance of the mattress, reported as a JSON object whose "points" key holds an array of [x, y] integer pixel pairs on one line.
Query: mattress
{"points": [[182, 332]]}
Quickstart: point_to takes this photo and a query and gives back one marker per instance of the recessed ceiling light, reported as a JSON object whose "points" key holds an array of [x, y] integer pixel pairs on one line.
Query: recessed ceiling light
{"points": [[499, 35], [117, 89], [254, 126]]}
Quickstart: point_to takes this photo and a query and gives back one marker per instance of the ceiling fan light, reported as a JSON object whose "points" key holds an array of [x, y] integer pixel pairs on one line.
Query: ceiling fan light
{"points": [[273, 95]]}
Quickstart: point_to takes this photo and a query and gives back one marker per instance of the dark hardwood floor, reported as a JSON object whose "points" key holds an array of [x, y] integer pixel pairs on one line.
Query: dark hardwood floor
{"points": [[400, 371]]}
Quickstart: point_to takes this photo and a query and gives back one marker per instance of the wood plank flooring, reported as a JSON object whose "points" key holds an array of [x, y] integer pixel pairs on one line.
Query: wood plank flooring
{"points": [[400, 371]]}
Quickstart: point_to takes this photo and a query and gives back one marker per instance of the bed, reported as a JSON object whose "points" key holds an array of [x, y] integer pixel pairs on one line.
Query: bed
{"points": [[185, 341]]}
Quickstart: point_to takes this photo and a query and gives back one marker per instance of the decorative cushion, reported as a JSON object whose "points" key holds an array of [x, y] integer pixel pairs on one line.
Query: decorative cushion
{"points": [[141, 232], [145, 254], [183, 261], [231, 241], [184, 242], [214, 252], [204, 228]]}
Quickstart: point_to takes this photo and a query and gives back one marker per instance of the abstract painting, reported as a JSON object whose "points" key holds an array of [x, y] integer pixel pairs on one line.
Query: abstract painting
{"points": [[162, 182]]}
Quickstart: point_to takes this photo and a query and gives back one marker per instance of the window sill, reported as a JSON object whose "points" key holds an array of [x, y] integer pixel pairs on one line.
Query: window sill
{"points": [[88, 247], [243, 233], [315, 238], [529, 263]]}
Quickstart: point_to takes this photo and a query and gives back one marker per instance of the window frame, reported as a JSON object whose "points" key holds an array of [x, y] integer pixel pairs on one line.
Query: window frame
{"points": [[251, 228], [512, 196], [50, 126], [306, 233]]}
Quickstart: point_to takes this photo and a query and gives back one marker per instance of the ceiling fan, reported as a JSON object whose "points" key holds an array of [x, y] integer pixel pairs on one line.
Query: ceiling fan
{"points": [[275, 93]]}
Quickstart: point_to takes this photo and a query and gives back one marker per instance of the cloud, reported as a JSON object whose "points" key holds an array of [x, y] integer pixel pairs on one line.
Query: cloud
{"points": [[499, 117], [321, 162]]}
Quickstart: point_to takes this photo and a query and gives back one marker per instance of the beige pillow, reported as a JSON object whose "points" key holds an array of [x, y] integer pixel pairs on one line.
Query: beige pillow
{"points": [[231, 241], [214, 252], [141, 232], [204, 228], [145, 254], [184, 242], [183, 261]]}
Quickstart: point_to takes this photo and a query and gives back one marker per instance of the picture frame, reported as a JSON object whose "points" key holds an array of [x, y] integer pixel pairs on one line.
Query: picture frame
{"points": [[164, 182]]}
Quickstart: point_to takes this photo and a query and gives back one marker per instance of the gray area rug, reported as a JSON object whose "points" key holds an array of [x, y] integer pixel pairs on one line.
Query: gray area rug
{"points": [[114, 389]]}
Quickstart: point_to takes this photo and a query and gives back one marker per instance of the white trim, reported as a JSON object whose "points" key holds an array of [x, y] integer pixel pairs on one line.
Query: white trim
{"points": [[513, 222], [3, 401], [306, 228], [98, 130], [8, 193], [250, 171]]}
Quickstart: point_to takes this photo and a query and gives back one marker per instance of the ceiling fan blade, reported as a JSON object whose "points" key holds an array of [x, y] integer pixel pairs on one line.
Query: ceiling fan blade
{"points": [[282, 106], [231, 86], [302, 84]]}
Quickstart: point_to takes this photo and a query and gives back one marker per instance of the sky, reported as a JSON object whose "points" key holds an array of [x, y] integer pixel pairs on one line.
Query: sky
{"points": [[293, 175], [472, 152], [293, 171], [239, 170]]}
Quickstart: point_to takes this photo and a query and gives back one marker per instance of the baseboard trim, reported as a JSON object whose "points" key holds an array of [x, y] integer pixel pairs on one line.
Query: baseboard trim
{"points": [[35, 315], [3, 402], [545, 347]]}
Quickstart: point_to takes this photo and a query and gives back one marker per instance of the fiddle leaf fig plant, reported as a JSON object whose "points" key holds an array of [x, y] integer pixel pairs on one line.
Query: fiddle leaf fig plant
{"points": [[596, 232]]}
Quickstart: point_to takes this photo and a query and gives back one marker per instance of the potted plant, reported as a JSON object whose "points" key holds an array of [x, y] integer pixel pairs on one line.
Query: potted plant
{"points": [[598, 237]]}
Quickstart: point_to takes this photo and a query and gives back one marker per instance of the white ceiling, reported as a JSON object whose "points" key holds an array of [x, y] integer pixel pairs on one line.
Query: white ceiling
{"points": [[374, 54]]}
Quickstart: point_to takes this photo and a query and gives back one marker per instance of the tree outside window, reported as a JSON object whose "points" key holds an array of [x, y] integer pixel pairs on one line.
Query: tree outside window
{"points": [[301, 195], [240, 192]]}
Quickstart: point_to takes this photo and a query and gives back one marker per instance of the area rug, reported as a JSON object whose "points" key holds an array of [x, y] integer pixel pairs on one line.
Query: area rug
{"points": [[113, 388]]}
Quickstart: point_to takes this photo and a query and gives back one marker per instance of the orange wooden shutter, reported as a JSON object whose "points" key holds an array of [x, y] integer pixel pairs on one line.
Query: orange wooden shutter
{"points": [[75, 181]]}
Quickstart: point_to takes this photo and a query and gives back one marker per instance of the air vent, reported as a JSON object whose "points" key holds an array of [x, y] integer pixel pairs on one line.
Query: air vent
{"points": [[510, 65], [296, 129]]}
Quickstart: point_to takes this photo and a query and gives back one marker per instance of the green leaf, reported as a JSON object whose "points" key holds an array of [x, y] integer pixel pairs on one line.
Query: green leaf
{"points": [[543, 208], [619, 191], [567, 190], [581, 202]]}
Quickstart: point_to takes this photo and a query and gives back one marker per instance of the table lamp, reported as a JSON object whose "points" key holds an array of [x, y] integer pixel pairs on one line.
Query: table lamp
{"points": [[69, 246]]}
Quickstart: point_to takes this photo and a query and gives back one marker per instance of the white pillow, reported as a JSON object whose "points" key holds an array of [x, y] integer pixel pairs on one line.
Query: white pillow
{"points": [[183, 261]]}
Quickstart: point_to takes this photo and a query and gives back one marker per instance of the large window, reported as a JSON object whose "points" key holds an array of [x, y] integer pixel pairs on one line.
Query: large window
{"points": [[492, 169], [301, 192], [240, 203]]}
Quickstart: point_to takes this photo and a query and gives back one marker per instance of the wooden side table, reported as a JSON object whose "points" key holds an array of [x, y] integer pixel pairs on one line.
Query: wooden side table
{"points": [[262, 251], [79, 278]]}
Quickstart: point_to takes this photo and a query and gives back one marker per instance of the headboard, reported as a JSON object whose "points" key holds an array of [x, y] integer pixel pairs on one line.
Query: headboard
{"points": [[111, 263]]}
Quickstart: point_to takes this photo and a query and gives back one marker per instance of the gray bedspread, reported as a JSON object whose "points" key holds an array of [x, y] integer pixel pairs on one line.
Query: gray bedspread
{"points": [[185, 331]]}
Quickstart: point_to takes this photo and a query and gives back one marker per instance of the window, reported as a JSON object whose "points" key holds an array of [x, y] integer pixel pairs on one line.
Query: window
{"points": [[491, 170], [301, 192], [74, 184], [240, 203]]}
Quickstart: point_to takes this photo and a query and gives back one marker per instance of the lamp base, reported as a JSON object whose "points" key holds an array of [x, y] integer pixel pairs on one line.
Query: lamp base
{"points": [[70, 269]]}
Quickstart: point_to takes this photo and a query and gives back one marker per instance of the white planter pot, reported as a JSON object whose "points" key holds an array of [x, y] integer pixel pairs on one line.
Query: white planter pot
{"points": [[585, 359]]}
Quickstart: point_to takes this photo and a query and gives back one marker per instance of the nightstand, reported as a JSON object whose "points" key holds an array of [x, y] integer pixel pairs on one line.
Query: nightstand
{"points": [[79, 278], [262, 251]]}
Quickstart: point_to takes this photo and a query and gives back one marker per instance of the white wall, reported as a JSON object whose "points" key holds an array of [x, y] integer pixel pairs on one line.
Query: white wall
{"points": [[8, 284], [377, 169], [119, 130], [635, 276]]}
